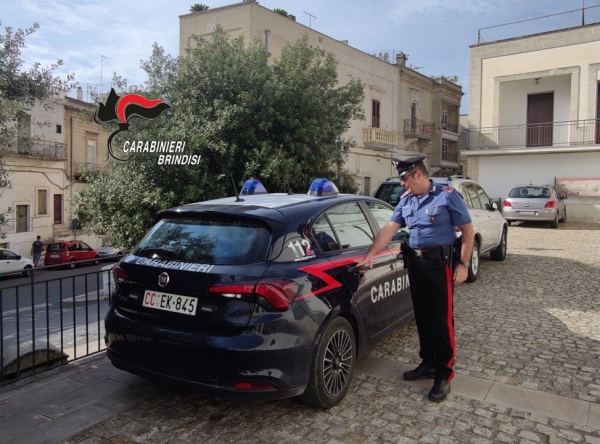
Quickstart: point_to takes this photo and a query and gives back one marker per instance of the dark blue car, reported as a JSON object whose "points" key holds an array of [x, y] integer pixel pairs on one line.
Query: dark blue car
{"points": [[235, 296]]}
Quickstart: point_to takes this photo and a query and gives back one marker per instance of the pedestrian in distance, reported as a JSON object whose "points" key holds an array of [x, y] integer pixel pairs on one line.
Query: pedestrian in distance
{"points": [[431, 212], [36, 251]]}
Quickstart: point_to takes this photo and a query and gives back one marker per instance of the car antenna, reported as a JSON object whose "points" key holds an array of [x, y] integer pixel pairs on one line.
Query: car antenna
{"points": [[237, 196]]}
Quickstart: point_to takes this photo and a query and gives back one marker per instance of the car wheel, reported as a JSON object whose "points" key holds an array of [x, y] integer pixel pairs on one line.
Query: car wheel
{"points": [[564, 217], [27, 271], [474, 267], [333, 365], [72, 264], [96, 260], [554, 223], [499, 253]]}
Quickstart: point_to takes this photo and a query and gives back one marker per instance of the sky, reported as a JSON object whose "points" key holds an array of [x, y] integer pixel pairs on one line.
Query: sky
{"points": [[95, 39]]}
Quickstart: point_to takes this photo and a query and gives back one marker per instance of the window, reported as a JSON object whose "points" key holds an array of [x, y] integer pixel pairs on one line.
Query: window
{"points": [[58, 129], [91, 154], [350, 225], [445, 152], [42, 201], [444, 116], [471, 197], [375, 113], [381, 213]]}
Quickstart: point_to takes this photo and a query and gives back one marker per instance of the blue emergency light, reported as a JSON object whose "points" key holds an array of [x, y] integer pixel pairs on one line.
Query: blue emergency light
{"points": [[322, 187], [253, 186]]}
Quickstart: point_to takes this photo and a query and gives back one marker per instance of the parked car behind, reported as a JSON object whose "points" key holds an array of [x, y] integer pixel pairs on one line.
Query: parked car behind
{"points": [[538, 203], [491, 229], [69, 253], [13, 263], [238, 297], [112, 253]]}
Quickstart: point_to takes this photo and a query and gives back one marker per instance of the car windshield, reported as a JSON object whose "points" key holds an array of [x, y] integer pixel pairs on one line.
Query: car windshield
{"points": [[530, 192], [56, 247], [215, 240], [390, 193]]}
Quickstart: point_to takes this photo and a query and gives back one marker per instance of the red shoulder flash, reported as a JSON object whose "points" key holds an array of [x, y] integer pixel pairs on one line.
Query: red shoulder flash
{"points": [[404, 195], [448, 189]]}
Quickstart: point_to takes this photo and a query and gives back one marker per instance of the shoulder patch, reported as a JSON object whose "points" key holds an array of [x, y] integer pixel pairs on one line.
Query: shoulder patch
{"points": [[445, 188]]}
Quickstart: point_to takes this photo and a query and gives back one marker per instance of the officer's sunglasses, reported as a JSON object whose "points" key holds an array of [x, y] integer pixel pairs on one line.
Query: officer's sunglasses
{"points": [[407, 175]]}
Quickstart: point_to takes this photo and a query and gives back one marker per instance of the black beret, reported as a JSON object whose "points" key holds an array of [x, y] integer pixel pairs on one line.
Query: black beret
{"points": [[404, 165]]}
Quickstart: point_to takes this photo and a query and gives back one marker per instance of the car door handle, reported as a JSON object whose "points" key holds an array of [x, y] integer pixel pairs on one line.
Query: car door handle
{"points": [[354, 269]]}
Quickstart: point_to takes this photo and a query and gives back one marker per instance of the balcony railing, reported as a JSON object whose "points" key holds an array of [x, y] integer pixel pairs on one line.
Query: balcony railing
{"points": [[419, 128], [552, 134], [83, 171], [38, 148], [448, 156], [377, 138], [449, 127], [17, 225]]}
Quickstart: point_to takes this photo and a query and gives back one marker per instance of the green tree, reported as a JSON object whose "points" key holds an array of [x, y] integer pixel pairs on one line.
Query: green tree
{"points": [[280, 122], [198, 7], [280, 11], [21, 89], [452, 79]]}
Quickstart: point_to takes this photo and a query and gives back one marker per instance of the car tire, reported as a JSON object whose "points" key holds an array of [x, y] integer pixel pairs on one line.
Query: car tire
{"points": [[96, 260], [563, 219], [72, 264], [554, 223], [474, 267], [333, 365], [499, 253], [27, 271]]}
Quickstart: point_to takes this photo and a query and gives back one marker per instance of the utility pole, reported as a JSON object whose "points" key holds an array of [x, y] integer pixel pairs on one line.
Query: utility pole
{"points": [[101, 84], [583, 14]]}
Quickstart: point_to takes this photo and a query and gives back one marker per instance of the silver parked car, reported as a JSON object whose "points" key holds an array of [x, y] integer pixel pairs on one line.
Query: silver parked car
{"points": [[538, 203]]}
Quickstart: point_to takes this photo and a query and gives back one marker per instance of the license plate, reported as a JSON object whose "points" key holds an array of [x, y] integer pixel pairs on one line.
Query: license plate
{"points": [[528, 213], [54, 256], [170, 302]]}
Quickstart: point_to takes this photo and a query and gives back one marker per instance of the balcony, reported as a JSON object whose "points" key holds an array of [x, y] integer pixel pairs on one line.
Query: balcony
{"points": [[445, 126], [419, 129], [84, 171], [37, 148], [552, 134], [380, 139]]}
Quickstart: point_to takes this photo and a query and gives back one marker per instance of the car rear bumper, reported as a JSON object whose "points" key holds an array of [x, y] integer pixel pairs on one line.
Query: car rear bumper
{"points": [[541, 215], [271, 353]]}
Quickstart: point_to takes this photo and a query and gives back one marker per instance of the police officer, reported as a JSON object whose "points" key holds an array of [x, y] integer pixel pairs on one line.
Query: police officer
{"points": [[431, 212]]}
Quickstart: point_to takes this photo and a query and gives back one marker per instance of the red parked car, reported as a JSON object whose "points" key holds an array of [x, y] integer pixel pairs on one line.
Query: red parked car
{"points": [[69, 253]]}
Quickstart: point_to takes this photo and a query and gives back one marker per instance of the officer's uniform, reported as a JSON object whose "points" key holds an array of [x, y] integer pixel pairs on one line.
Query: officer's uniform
{"points": [[431, 220]]}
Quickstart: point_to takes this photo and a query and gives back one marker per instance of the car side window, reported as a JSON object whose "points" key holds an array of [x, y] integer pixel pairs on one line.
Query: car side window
{"points": [[73, 247], [350, 225], [85, 247], [381, 213], [483, 197], [473, 196], [10, 255]]}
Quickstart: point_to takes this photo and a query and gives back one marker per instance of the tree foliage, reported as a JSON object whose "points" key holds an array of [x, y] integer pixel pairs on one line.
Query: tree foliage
{"points": [[452, 79], [21, 89], [280, 122], [280, 11], [198, 7]]}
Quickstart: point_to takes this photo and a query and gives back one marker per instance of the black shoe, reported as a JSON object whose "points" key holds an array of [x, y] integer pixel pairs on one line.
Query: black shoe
{"points": [[421, 372], [439, 391]]}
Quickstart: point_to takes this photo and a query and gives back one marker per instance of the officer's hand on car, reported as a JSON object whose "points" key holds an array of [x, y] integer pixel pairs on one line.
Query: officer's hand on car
{"points": [[367, 261]]}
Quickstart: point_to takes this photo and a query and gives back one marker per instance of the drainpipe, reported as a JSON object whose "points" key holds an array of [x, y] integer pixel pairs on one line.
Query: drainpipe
{"points": [[267, 33], [71, 168]]}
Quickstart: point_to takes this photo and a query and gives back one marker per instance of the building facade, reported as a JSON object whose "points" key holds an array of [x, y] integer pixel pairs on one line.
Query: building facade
{"points": [[534, 110], [407, 113]]}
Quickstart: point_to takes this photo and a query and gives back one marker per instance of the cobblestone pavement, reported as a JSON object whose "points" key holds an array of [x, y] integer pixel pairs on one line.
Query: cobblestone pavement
{"points": [[532, 321]]}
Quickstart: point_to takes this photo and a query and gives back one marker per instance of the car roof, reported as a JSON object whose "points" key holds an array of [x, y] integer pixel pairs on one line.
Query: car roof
{"points": [[532, 185], [267, 206]]}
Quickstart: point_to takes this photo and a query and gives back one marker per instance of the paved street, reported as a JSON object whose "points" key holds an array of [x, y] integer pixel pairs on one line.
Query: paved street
{"points": [[528, 371]]}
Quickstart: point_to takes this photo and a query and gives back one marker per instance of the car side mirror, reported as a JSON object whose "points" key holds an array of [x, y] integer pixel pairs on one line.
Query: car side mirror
{"points": [[18, 257], [494, 206], [563, 196]]}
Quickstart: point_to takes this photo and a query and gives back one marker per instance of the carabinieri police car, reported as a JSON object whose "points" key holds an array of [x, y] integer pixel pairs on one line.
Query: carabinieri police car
{"points": [[257, 296]]}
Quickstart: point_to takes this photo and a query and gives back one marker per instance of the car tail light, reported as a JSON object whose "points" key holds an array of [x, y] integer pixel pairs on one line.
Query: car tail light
{"points": [[550, 204], [279, 293], [120, 275], [253, 385], [506, 204]]}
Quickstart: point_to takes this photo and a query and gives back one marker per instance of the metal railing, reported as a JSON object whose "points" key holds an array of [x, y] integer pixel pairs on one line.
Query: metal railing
{"points": [[419, 128], [449, 156], [16, 225], [449, 127], [84, 170], [35, 147], [51, 322], [552, 134]]}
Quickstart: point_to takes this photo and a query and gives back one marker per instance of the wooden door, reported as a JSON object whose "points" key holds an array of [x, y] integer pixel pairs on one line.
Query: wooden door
{"points": [[540, 114], [58, 208]]}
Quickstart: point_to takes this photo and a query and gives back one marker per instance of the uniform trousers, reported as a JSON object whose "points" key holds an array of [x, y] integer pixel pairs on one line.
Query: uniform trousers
{"points": [[432, 289]]}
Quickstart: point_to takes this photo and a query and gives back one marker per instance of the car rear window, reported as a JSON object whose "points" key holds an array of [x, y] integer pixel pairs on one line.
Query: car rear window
{"points": [[56, 247], [530, 192], [215, 240]]}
